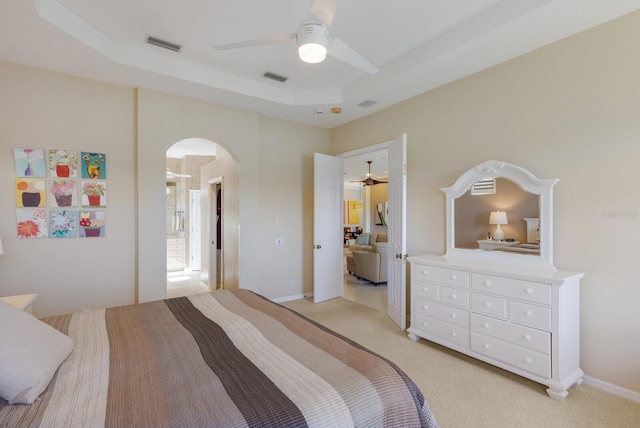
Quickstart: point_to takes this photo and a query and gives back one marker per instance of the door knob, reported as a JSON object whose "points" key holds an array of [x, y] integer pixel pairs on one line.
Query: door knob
{"points": [[318, 246]]}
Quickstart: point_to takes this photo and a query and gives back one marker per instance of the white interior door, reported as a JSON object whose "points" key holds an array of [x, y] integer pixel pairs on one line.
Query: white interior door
{"points": [[397, 275], [195, 241], [327, 227]]}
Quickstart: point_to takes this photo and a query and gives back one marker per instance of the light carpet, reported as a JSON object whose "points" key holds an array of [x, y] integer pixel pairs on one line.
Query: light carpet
{"points": [[462, 391]]}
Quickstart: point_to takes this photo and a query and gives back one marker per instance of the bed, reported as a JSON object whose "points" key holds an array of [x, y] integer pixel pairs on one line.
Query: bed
{"points": [[226, 358]]}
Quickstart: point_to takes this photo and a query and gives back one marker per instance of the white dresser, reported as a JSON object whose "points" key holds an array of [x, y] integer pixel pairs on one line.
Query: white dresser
{"points": [[524, 320], [175, 254]]}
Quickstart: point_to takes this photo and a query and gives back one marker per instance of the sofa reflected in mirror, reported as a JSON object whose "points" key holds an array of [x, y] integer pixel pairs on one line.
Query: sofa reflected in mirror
{"points": [[367, 258]]}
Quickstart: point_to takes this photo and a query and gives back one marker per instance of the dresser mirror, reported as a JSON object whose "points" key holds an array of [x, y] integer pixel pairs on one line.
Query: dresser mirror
{"points": [[522, 207]]}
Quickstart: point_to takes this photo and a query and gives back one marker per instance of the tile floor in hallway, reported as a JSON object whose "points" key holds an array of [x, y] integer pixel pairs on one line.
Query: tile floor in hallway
{"points": [[184, 283]]}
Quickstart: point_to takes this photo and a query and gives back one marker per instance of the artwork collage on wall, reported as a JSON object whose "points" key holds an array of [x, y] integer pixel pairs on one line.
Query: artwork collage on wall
{"points": [[60, 193]]}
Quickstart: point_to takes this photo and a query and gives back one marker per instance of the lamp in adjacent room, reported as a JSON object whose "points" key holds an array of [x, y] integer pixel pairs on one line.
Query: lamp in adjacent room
{"points": [[498, 218]]}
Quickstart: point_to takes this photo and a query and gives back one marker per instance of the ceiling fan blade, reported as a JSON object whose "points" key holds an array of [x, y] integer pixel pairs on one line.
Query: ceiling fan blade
{"points": [[322, 11], [280, 38], [340, 50]]}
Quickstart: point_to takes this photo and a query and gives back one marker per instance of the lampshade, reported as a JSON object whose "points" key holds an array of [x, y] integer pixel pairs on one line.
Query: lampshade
{"points": [[498, 217], [313, 40]]}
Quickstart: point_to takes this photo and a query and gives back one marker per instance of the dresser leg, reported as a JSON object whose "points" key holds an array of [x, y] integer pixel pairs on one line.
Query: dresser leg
{"points": [[557, 394], [413, 337]]}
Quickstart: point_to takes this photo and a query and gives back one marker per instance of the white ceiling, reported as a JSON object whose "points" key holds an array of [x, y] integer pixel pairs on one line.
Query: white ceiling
{"points": [[417, 44]]}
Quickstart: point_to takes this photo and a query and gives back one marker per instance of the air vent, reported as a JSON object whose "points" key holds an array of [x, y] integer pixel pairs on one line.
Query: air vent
{"points": [[275, 77], [367, 103], [163, 44], [486, 186]]}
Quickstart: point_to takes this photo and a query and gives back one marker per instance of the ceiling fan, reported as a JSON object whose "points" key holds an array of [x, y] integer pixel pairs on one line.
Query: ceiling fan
{"points": [[313, 39], [171, 175], [369, 181]]}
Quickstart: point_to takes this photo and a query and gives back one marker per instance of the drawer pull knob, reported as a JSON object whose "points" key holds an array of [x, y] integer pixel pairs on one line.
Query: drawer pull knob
{"points": [[454, 316], [527, 337], [425, 289], [426, 324], [453, 296], [528, 290], [425, 307], [528, 313], [454, 334], [453, 277], [527, 360], [487, 304], [485, 325], [486, 346], [425, 272], [487, 283]]}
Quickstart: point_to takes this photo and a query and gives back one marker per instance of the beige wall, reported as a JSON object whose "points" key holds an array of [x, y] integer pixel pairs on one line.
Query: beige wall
{"points": [[50, 110], [286, 206], [135, 128], [569, 111]]}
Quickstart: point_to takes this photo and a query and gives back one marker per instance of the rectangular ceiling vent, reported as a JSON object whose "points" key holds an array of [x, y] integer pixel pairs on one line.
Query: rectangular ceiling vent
{"points": [[163, 43], [274, 76], [485, 186], [367, 103]]}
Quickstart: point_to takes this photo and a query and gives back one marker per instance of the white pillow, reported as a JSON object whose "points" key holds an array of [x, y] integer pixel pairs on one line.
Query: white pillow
{"points": [[30, 353]]}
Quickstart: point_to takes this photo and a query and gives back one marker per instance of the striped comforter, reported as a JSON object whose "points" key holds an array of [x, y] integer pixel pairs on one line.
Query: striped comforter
{"points": [[228, 359]]}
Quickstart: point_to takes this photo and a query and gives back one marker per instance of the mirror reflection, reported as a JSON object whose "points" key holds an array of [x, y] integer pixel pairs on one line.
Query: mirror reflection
{"points": [[497, 215]]}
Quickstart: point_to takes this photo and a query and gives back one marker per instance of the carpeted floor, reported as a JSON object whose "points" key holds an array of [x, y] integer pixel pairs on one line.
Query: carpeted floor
{"points": [[462, 391]]}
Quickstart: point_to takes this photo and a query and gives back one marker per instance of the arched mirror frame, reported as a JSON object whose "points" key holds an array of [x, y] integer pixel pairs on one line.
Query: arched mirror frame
{"points": [[527, 181]]}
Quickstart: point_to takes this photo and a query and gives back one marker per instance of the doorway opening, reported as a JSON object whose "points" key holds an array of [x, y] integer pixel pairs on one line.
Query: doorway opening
{"points": [[184, 162], [362, 216]]}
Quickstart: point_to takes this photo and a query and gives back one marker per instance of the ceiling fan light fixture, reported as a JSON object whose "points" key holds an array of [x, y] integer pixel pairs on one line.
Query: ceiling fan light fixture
{"points": [[313, 40]]}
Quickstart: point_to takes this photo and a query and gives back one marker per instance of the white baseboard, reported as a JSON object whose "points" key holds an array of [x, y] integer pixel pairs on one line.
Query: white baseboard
{"points": [[294, 297], [613, 389]]}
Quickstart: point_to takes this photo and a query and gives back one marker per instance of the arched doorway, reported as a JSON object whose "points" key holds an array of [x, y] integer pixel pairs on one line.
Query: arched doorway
{"points": [[195, 235]]}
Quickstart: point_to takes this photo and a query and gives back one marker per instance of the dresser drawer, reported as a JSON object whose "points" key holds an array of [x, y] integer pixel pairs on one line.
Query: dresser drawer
{"points": [[512, 333], [532, 315], [535, 292], [175, 247], [442, 312], [525, 359], [441, 275], [490, 305], [175, 253], [426, 289], [442, 330], [454, 296]]}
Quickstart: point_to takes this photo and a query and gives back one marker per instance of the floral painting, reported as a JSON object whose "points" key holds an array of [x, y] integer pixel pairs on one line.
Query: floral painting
{"points": [[94, 193], [31, 223], [29, 162], [63, 224], [63, 163], [31, 192], [92, 224], [94, 165], [63, 193]]}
